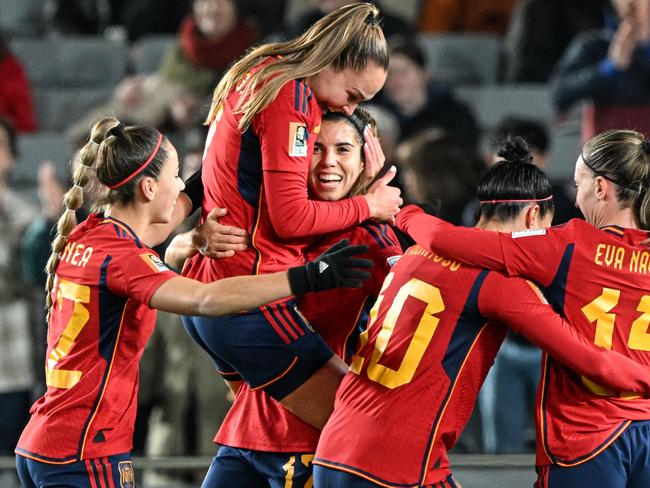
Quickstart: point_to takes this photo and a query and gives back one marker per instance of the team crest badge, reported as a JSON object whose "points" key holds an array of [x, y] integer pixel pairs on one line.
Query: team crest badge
{"points": [[127, 477], [298, 135]]}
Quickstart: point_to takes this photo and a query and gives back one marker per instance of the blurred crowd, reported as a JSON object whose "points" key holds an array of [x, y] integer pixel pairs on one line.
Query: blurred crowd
{"points": [[591, 56]]}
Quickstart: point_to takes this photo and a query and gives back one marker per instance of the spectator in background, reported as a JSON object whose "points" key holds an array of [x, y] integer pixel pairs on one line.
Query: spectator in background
{"points": [[175, 96], [15, 94], [611, 69], [419, 103], [465, 15], [540, 31], [136, 17], [447, 170], [16, 340], [391, 24]]}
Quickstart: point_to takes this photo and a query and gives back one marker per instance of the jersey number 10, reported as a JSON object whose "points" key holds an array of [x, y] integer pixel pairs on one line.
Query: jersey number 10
{"points": [[384, 375]]}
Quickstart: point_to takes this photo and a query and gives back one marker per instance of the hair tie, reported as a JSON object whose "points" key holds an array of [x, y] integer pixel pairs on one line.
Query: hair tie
{"points": [[645, 146], [117, 130], [142, 166], [529, 200], [77, 186]]}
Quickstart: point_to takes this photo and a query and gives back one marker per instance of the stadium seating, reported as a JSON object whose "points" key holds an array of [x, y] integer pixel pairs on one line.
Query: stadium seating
{"points": [[150, 52], [36, 148], [59, 108], [22, 17], [462, 58]]}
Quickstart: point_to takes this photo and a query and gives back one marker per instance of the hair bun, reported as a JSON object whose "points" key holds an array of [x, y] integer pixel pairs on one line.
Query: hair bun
{"points": [[645, 145], [116, 130], [515, 150]]}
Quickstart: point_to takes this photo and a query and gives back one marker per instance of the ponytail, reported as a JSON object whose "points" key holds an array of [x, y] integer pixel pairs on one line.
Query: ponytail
{"points": [[73, 200]]}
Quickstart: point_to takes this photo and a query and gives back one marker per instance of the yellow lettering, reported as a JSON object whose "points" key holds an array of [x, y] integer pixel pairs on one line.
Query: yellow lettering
{"points": [[454, 266], [634, 261], [620, 254], [67, 251], [599, 253], [643, 265], [76, 254], [86, 256]]}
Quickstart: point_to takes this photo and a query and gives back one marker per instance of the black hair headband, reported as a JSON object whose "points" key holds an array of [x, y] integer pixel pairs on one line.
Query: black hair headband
{"points": [[639, 189]]}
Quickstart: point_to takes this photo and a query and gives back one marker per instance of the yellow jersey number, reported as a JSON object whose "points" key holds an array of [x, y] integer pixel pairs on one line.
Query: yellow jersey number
{"points": [[79, 294], [426, 328], [600, 311]]}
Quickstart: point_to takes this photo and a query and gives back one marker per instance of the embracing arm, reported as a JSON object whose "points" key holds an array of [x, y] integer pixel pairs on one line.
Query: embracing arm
{"points": [[521, 305]]}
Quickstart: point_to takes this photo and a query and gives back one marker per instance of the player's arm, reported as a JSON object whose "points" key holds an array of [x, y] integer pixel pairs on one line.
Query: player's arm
{"points": [[535, 255], [337, 267], [285, 168], [520, 305]]}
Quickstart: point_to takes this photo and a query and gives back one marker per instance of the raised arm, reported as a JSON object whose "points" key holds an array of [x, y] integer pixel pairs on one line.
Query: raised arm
{"points": [[520, 305], [533, 254]]}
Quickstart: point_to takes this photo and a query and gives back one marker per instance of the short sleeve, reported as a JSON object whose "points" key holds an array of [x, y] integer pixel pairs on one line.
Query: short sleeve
{"points": [[137, 274]]}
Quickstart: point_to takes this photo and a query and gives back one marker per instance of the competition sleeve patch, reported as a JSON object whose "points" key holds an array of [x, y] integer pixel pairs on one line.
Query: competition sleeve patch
{"points": [[154, 262], [528, 233], [298, 135]]}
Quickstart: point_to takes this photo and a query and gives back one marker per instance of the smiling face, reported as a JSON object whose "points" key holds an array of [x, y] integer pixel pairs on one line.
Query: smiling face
{"points": [[336, 164], [168, 186], [342, 91]]}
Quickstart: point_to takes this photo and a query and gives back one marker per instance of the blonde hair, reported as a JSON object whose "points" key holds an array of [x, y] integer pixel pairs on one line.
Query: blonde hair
{"points": [[623, 157], [349, 37], [113, 152]]}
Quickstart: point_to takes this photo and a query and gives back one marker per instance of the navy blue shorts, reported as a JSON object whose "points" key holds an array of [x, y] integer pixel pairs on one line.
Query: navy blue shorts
{"points": [[243, 468], [325, 477], [271, 348], [624, 464], [107, 472]]}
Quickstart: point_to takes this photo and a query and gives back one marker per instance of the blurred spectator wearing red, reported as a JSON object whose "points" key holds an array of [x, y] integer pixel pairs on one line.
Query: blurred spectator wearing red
{"points": [[465, 15], [15, 94]]}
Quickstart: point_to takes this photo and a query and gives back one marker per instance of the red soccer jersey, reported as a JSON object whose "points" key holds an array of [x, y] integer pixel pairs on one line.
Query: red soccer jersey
{"points": [[99, 325], [430, 343], [260, 176], [256, 421], [597, 279]]}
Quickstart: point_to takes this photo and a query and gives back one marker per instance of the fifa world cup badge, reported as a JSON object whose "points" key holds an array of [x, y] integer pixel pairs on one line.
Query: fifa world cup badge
{"points": [[298, 134], [127, 477]]}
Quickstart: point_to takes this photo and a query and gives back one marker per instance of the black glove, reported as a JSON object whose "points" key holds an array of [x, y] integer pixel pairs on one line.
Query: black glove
{"points": [[335, 268]]}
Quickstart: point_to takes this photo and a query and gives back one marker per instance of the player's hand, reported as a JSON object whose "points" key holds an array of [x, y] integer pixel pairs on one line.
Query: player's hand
{"points": [[384, 201], [373, 154], [335, 268], [215, 240]]}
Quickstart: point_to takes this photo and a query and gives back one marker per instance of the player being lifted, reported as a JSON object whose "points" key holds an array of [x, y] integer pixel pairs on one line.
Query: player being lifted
{"points": [[596, 275], [256, 164], [103, 284], [433, 335]]}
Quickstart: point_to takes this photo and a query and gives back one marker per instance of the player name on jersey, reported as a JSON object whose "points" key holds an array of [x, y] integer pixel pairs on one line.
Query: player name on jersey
{"points": [[618, 257]]}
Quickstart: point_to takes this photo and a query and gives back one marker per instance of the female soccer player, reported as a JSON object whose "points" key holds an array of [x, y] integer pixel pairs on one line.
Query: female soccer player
{"points": [[103, 282], [261, 442], [433, 335], [265, 117], [596, 274]]}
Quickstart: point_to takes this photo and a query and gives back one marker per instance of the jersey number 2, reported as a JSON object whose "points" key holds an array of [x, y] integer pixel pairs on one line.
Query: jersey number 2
{"points": [[384, 375], [79, 294], [599, 311]]}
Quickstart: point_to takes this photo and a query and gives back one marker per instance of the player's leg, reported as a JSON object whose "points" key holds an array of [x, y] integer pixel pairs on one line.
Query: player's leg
{"points": [[285, 469], [333, 478], [276, 350], [229, 468], [606, 470], [639, 446], [91, 473]]}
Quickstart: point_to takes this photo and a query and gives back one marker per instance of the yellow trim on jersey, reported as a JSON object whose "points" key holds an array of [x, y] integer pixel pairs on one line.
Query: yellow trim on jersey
{"points": [[41, 460], [108, 377], [293, 363], [257, 224], [451, 393], [361, 475]]}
